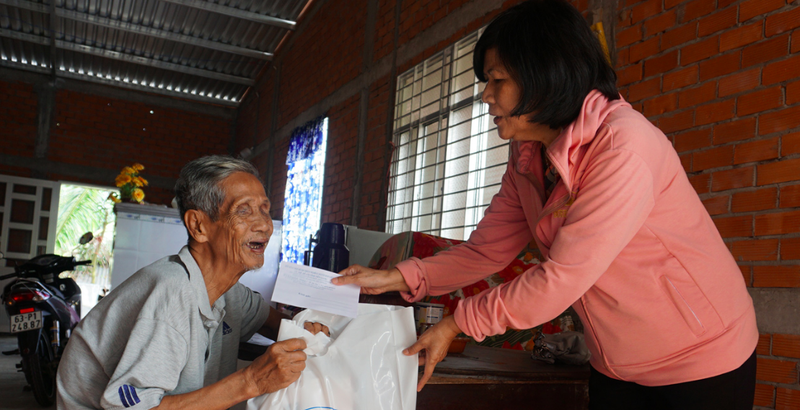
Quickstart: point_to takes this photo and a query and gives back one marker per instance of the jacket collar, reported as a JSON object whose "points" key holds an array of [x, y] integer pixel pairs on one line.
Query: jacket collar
{"points": [[562, 152]]}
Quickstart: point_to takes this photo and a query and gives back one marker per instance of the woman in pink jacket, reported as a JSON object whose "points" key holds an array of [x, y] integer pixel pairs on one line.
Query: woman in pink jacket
{"points": [[625, 238]]}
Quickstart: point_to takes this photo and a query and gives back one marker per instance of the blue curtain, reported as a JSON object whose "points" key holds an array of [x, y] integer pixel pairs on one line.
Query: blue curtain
{"points": [[302, 204]]}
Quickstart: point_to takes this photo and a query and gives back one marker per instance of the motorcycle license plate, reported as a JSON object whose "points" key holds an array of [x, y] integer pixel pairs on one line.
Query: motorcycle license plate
{"points": [[26, 321]]}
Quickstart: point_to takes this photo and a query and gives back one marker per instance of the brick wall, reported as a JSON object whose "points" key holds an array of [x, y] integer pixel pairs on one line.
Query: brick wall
{"points": [[17, 123], [720, 78], [107, 133]]}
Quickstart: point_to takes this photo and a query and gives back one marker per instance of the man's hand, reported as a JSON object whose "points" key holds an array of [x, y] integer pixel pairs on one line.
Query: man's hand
{"points": [[316, 327], [371, 281], [276, 369]]}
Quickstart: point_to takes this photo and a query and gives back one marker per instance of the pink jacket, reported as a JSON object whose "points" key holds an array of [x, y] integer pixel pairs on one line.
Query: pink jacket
{"points": [[626, 242]]}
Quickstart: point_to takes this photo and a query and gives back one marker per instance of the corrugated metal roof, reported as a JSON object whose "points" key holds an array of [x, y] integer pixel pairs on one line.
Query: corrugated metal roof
{"points": [[197, 49]]}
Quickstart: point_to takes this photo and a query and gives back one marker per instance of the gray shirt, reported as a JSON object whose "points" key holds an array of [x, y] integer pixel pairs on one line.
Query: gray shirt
{"points": [[154, 335]]}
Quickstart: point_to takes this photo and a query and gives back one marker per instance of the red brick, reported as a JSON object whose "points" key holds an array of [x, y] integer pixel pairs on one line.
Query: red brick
{"points": [[780, 171], [717, 205], [732, 178], [676, 122], [764, 342], [647, 9], [776, 277], [660, 64], [718, 21], [701, 183], [757, 200], [778, 223], [697, 8], [714, 112], [786, 346], [629, 36], [782, 70], [697, 95], [660, 104], [644, 89], [623, 57], [787, 399], [700, 50], [718, 66], [778, 371], [795, 41], [782, 22], [735, 226], [793, 91], [764, 395], [668, 4], [756, 151], [790, 196], [686, 162], [660, 23], [765, 51], [779, 120], [790, 248], [712, 158], [692, 140], [744, 81], [755, 250], [746, 275], [759, 101], [629, 74], [741, 36], [679, 79], [752, 8], [647, 48], [678, 36]]}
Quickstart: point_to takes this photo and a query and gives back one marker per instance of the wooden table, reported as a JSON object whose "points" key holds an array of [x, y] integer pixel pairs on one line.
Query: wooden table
{"points": [[491, 378]]}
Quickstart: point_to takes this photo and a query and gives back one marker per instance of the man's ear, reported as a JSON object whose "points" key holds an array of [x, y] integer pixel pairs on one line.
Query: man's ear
{"points": [[198, 224]]}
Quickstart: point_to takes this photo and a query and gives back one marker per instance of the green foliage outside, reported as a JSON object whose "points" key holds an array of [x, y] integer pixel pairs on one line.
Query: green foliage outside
{"points": [[81, 210]]}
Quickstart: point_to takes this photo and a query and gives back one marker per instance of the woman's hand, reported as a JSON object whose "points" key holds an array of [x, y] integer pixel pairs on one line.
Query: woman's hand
{"points": [[371, 281], [435, 342]]}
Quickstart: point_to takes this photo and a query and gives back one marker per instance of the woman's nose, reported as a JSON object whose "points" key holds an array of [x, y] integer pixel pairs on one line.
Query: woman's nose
{"points": [[487, 96]]}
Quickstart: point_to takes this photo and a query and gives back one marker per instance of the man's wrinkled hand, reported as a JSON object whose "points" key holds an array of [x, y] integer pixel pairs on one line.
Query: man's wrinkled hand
{"points": [[315, 327], [276, 369]]}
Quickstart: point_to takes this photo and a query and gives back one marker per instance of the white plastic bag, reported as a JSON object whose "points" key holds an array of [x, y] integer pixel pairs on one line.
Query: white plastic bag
{"points": [[360, 367]]}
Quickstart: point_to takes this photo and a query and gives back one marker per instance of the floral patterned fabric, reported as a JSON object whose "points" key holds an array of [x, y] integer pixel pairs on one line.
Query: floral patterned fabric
{"points": [[302, 202], [407, 244]]}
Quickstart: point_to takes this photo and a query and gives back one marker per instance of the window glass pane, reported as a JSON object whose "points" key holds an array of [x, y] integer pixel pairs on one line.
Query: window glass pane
{"points": [[19, 240], [22, 211], [24, 189], [47, 195], [2, 193], [43, 225], [446, 169]]}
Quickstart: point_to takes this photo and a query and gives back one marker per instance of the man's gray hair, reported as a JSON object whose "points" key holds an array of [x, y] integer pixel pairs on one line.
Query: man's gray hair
{"points": [[198, 186]]}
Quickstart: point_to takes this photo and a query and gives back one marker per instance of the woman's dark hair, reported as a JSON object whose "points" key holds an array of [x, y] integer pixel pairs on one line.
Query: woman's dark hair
{"points": [[554, 57]]}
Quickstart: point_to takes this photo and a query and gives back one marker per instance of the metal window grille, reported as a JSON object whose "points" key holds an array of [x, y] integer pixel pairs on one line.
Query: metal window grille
{"points": [[448, 160]]}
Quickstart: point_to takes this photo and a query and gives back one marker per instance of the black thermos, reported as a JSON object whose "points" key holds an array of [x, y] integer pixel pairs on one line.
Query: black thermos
{"points": [[330, 253]]}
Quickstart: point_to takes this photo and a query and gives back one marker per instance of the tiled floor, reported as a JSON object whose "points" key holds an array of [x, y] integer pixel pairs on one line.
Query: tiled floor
{"points": [[13, 394]]}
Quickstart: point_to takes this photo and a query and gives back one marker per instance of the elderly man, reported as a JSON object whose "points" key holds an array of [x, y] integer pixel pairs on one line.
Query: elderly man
{"points": [[168, 336]]}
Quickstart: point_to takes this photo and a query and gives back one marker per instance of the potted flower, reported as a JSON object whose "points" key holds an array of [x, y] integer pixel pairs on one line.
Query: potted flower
{"points": [[130, 184]]}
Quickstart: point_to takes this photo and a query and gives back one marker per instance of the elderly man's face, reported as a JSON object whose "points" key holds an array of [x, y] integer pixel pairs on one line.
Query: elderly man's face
{"points": [[244, 226]]}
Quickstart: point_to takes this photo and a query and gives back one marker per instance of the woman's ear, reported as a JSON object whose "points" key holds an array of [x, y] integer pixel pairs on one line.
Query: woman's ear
{"points": [[198, 224]]}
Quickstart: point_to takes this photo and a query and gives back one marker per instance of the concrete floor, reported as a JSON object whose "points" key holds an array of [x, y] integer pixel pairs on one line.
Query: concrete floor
{"points": [[13, 394]]}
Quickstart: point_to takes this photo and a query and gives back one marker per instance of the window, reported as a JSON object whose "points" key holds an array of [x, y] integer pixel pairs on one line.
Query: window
{"points": [[448, 160], [28, 210]]}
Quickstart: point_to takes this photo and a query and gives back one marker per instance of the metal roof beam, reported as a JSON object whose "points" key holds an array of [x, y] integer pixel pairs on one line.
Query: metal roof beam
{"points": [[162, 34], [236, 13], [120, 84], [137, 29], [114, 55]]}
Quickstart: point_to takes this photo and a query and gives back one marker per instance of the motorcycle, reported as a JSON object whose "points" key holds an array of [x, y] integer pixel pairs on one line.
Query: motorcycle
{"points": [[43, 309]]}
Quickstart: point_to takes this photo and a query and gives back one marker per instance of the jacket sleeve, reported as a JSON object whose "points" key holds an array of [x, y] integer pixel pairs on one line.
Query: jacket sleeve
{"points": [[498, 238], [614, 199]]}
